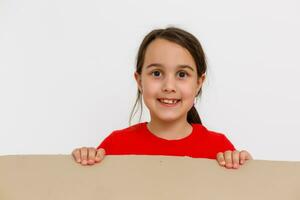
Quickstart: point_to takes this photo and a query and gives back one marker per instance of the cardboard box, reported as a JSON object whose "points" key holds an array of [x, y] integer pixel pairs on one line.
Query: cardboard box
{"points": [[135, 177]]}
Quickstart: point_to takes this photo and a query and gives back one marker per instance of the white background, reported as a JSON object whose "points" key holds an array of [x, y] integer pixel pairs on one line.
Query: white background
{"points": [[66, 71]]}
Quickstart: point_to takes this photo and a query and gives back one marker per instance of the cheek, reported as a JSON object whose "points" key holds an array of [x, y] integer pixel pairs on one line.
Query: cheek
{"points": [[149, 94], [187, 92], [151, 88]]}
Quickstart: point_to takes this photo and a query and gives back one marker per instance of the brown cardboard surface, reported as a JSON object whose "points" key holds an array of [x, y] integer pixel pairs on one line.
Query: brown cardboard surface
{"points": [[133, 177]]}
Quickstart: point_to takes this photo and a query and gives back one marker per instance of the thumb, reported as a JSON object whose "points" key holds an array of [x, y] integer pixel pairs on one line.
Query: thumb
{"points": [[100, 153]]}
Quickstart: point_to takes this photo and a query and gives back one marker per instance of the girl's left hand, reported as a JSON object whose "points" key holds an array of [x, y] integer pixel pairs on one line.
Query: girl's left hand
{"points": [[233, 159]]}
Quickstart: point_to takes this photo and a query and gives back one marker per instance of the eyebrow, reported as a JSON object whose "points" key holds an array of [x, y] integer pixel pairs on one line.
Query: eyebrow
{"points": [[160, 65]]}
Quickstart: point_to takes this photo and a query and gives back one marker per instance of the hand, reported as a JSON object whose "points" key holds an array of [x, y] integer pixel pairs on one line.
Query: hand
{"points": [[233, 159], [88, 155]]}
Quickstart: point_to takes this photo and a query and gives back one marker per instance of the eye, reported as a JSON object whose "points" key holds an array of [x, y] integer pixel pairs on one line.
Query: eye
{"points": [[155, 72], [183, 73]]}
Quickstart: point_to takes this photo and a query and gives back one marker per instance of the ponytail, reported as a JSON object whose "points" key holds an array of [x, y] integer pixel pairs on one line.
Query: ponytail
{"points": [[193, 116]]}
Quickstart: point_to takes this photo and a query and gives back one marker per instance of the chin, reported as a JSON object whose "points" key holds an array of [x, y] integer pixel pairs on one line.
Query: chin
{"points": [[168, 117]]}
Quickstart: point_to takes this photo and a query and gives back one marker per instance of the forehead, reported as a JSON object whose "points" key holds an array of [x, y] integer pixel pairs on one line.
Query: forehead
{"points": [[168, 54]]}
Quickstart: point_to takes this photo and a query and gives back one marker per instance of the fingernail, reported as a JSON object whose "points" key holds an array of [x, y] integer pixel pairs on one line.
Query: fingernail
{"points": [[78, 160]]}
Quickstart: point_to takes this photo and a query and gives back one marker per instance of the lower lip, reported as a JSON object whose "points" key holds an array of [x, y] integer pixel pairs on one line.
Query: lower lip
{"points": [[169, 105]]}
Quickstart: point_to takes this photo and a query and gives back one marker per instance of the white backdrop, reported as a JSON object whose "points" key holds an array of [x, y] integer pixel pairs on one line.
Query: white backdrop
{"points": [[66, 71]]}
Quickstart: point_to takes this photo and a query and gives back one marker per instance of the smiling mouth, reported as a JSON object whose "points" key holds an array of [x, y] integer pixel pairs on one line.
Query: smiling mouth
{"points": [[169, 102]]}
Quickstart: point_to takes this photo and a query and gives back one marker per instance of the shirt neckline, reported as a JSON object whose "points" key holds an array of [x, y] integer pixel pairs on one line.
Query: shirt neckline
{"points": [[166, 140]]}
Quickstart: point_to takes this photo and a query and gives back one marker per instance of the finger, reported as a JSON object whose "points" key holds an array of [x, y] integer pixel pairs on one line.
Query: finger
{"points": [[100, 154], [91, 155], [83, 155], [228, 159], [244, 155], [220, 158], [236, 159], [76, 155], [248, 156]]}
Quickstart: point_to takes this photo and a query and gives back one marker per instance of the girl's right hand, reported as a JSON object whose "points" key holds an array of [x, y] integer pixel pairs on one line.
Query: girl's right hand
{"points": [[88, 155]]}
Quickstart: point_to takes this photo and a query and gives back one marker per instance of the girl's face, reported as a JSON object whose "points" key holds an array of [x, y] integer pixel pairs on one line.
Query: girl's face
{"points": [[169, 72]]}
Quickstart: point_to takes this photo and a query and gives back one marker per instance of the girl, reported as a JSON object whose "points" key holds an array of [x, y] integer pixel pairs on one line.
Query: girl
{"points": [[170, 72]]}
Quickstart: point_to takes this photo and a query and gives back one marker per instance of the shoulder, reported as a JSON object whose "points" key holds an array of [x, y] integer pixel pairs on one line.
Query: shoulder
{"points": [[214, 136], [128, 130], [208, 133], [125, 133], [120, 136]]}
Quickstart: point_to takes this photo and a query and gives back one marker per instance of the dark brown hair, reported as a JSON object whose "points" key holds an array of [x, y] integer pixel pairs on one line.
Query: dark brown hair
{"points": [[184, 39]]}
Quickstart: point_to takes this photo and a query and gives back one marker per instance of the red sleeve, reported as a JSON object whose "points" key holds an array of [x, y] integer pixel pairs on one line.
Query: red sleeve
{"points": [[227, 145], [220, 142], [106, 143]]}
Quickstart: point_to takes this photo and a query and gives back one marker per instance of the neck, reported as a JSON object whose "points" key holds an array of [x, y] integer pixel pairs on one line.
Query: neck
{"points": [[170, 129]]}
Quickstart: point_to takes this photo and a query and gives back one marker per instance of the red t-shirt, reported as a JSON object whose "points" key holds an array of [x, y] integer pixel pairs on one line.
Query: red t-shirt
{"points": [[138, 140]]}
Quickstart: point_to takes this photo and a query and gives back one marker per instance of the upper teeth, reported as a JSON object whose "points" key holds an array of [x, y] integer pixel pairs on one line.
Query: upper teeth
{"points": [[168, 101]]}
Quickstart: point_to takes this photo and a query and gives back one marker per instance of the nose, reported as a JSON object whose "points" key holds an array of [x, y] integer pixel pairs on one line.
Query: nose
{"points": [[169, 84]]}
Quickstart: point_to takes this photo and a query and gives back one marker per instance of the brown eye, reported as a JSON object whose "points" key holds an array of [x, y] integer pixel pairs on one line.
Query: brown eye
{"points": [[156, 73], [182, 73]]}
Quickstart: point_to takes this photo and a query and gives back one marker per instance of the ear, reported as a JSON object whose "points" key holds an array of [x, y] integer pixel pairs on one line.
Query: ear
{"points": [[200, 82], [138, 80]]}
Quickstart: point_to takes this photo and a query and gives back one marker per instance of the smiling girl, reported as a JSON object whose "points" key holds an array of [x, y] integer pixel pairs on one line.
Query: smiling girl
{"points": [[170, 71]]}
